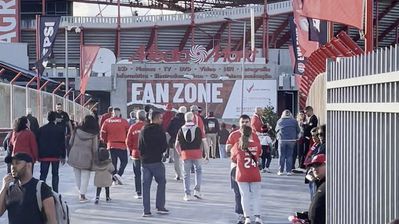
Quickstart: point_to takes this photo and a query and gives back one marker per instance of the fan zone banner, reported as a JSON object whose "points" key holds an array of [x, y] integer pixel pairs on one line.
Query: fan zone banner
{"points": [[221, 97], [9, 21], [47, 35]]}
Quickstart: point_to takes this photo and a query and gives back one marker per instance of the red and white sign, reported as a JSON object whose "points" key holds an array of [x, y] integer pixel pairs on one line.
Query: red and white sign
{"points": [[88, 55], [221, 97], [9, 21]]}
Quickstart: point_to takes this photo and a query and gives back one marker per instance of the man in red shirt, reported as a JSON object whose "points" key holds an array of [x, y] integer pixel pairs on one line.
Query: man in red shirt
{"points": [[188, 146], [113, 133], [234, 138], [132, 142], [256, 120], [106, 116]]}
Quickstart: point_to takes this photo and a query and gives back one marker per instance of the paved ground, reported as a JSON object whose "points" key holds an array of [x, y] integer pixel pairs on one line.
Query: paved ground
{"points": [[281, 197]]}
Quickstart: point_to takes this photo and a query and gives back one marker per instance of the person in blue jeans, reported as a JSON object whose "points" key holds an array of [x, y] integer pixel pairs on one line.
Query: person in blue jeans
{"points": [[152, 146], [288, 131]]}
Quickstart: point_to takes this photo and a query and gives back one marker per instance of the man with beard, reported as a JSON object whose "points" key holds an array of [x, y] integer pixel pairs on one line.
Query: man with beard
{"points": [[18, 194]]}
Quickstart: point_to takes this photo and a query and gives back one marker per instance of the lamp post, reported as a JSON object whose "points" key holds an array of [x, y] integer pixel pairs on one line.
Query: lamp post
{"points": [[242, 61], [77, 30]]}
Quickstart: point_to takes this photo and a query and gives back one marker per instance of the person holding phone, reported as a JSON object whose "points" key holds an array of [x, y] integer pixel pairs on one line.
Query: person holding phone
{"points": [[18, 194]]}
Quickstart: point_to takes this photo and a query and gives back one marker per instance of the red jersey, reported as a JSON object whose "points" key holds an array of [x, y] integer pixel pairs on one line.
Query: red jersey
{"points": [[132, 139], [167, 118], [235, 136], [104, 117], [198, 121], [256, 123], [247, 167], [24, 141], [114, 131]]}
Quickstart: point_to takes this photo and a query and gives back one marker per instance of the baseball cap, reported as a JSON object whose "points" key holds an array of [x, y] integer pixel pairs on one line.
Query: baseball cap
{"points": [[318, 159], [19, 156]]}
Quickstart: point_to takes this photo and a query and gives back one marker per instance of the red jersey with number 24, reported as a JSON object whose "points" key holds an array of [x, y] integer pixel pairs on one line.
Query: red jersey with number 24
{"points": [[247, 168]]}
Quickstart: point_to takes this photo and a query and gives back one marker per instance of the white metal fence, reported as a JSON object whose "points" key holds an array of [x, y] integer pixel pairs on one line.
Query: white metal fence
{"points": [[363, 131], [15, 99]]}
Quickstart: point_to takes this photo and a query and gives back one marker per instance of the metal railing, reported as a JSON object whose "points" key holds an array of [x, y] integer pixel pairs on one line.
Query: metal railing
{"points": [[216, 15], [15, 99], [363, 130]]}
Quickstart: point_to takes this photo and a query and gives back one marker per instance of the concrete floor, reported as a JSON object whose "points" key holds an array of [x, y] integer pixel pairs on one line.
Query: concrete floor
{"points": [[281, 196]]}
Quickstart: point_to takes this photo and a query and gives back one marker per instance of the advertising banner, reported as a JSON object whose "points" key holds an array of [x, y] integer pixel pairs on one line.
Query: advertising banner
{"points": [[88, 55], [223, 97], [47, 35], [9, 21]]}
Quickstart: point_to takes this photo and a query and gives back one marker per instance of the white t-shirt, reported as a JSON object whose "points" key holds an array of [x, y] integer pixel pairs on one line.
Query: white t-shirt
{"points": [[265, 139]]}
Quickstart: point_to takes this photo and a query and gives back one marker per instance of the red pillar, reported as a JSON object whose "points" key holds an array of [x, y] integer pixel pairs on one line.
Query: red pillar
{"points": [[369, 27], [43, 7], [192, 23], [266, 33]]}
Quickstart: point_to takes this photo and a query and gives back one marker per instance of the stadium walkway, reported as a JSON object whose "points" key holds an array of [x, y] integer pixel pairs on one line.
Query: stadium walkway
{"points": [[281, 197]]}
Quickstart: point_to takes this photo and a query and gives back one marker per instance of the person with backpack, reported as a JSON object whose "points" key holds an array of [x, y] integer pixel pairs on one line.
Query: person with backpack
{"points": [[51, 141], [18, 194], [84, 144], [245, 154], [188, 146]]}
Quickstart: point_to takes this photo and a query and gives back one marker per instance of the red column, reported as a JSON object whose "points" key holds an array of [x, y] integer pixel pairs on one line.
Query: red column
{"points": [[43, 7], [369, 27], [192, 23], [266, 33]]}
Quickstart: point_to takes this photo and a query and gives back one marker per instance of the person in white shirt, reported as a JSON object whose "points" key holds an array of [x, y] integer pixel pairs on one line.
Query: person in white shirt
{"points": [[267, 144]]}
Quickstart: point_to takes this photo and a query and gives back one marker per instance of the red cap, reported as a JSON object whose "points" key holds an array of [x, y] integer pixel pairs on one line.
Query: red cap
{"points": [[318, 159]]}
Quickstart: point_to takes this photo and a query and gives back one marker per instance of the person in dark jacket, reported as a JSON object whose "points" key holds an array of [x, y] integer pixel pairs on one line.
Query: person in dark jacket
{"points": [[311, 122], [317, 208], [51, 142], [8, 149], [223, 136], [174, 126], [34, 125], [152, 146], [211, 130]]}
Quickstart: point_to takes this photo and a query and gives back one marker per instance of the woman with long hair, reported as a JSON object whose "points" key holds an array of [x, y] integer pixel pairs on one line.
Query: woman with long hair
{"points": [[246, 154], [84, 144], [23, 140]]}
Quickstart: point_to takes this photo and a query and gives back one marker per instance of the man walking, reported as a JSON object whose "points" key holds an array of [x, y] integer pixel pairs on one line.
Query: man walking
{"points": [[288, 131], [105, 116], [19, 198], [311, 122], [234, 138], [132, 142], [211, 130], [175, 125], [51, 142], [113, 133], [188, 146], [152, 146]]}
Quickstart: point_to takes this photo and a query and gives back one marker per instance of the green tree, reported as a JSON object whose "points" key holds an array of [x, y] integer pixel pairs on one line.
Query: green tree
{"points": [[270, 117]]}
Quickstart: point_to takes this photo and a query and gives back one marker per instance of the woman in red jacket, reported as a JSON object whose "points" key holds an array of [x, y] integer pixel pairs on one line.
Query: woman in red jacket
{"points": [[23, 140], [246, 154]]}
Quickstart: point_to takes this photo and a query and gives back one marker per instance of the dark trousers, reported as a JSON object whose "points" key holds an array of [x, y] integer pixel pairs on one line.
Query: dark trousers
{"points": [[150, 171], [99, 192], [266, 156], [304, 150], [295, 155], [122, 155], [237, 194], [44, 167], [137, 175]]}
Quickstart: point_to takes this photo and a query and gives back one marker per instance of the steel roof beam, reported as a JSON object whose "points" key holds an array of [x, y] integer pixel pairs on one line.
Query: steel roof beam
{"points": [[153, 37], [389, 29], [217, 37], [184, 40], [279, 30], [286, 37]]}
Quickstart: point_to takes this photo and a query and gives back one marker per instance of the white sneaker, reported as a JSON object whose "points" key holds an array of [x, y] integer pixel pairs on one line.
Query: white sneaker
{"points": [[115, 182], [247, 220], [258, 220], [289, 174], [197, 194], [187, 197], [137, 196], [279, 173], [267, 170], [119, 179]]}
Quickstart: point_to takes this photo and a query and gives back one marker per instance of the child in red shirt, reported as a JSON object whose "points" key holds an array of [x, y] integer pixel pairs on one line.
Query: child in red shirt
{"points": [[246, 154]]}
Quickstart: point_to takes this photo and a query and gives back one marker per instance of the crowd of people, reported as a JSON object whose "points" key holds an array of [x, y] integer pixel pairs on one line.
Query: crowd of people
{"points": [[150, 137]]}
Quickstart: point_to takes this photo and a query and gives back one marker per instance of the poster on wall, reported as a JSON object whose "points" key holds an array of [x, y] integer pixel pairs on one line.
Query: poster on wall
{"points": [[221, 97], [9, 21]]}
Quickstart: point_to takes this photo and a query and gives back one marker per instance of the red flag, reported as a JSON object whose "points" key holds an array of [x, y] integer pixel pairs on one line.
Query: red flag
{"points": [[302, 24], [87, 56], [349, 12]]}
